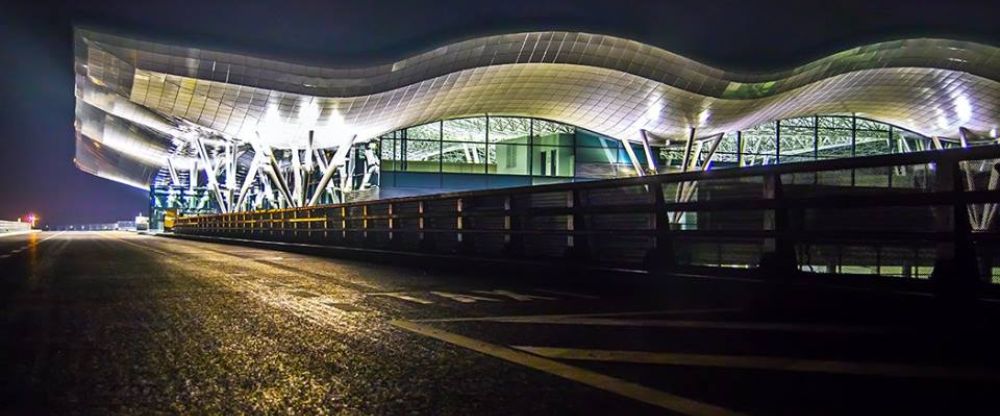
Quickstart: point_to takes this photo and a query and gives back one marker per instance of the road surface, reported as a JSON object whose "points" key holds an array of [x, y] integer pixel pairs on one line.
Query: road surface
{"points": [[111, 322]]}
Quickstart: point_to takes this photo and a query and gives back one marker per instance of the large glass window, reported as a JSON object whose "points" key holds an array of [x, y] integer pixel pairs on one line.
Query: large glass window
{"points": [[546, 150], [872, 138], [421, 148], [509, 145], [811, 138], [464, 145], [599, 156], [552, 152], [389, 152], [835, 135], [797, 140], [728, 153], [760, 145]]}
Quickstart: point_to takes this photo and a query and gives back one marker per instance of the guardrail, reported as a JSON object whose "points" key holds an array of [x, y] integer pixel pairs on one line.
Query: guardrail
{"points": [[914, 215], [14, 226]]}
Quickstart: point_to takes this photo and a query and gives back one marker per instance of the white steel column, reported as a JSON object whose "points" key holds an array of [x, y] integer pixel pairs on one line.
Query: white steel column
{"points": [[632, 158], [338, 160], [650, 159], [211, 172]]}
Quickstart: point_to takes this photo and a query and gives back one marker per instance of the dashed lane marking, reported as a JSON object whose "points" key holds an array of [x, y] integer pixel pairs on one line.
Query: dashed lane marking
{"points": [[520, 297], [765, 363], [604, 382], [29, 245], [403, 296], [666, 323], [558, 318], [471, 296], [570, 294], [463, 298]]}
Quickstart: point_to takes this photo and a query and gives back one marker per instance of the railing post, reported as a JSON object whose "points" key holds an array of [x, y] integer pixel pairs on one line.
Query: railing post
{"points": [[343, 225], [391, 223], [424, 243], [513, 239], [578, 244], [778, 261], [465, 241], [364, 224], [661, 258], [956, 271], [458, 220]]}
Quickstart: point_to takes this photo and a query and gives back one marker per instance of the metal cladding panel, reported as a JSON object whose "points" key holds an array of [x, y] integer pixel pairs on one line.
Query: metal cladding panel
{"points": [[609, 85]]}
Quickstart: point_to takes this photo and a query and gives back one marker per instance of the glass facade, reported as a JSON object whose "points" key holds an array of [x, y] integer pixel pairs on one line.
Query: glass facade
{"points": [[806, 139], [539, 150], [529, 151]]}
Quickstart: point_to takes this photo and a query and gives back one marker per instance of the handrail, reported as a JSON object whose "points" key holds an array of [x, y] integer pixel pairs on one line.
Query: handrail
{"points": [[914, 158], [775, 227]]}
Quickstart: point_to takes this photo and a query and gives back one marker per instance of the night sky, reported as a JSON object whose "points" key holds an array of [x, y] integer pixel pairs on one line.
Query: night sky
{"points": [[36, 85]]}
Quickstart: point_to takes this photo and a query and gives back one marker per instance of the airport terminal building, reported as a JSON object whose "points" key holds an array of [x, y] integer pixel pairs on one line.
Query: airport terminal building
{"points": [[215, 132]]}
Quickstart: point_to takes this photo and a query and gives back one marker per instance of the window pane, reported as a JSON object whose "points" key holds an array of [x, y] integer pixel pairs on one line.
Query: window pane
{"points": [[508, 159], [759, 145], [597, 156], [872, 143], [798, 122], [471, 130], [797, 143], [865, 124], [511, 130], [429, 131], [835, 122], [834, 143], [421, 155], [547, 133], [389, 152], [543, 127], [463, 157], [552, 161], [728, 152]]}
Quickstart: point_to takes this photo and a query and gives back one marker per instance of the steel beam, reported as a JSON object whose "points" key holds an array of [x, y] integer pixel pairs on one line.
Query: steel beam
{"points": [[632, 158], [248, 181], [650, 159], [210, 171], [335, 162]]}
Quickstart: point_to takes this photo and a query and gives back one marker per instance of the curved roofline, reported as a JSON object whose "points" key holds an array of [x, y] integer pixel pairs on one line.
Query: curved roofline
{"points": [[394, 52], [602, 51], [609, 85]]}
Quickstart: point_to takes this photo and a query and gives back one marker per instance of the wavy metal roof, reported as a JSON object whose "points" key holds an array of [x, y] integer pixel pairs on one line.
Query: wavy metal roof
{"points": [[610, 85]]}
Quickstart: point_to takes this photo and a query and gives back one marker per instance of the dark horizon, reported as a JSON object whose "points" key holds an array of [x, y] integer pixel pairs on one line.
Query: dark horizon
{"points": [[37, 127]]}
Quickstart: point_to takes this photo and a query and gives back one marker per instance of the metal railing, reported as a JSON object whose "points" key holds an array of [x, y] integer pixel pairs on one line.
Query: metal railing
{"points": [[899, 215]]}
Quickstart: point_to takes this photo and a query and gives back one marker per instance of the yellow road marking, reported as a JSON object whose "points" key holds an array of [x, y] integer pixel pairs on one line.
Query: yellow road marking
{"points": [[765, 363], [607, 383], [564, 317], [667, 323]]}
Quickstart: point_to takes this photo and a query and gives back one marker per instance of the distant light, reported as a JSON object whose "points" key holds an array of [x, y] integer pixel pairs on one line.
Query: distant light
{"points": [[993, 133]]}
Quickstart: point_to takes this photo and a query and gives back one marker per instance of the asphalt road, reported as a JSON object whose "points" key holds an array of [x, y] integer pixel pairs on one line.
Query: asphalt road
{"points": [[97, 323]]}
